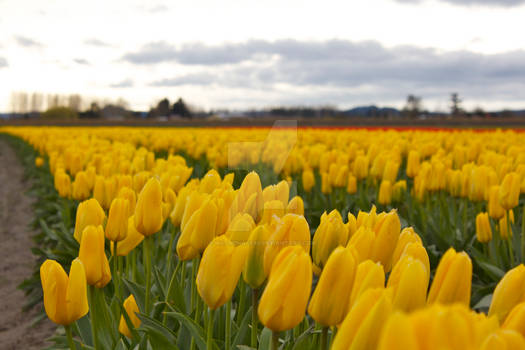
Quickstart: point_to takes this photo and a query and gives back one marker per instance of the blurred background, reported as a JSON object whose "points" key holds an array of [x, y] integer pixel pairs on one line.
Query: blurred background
{"points": [[209, 60]]}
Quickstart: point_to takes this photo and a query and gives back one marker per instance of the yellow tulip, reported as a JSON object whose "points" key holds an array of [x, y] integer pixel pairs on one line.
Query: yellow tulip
{"points": [[509, 191], [453, 279], [272, 208], [219, 271], [39, 161], [308, 180], [131, 307], [80, 187], [362, 326], [63, 184], [88, 213], [132, 240], [509, 292], [351, 224], [483, 229], [280, 192], [390, 171], [385, 242], [504, 226], [148, 212], [131, 196], [363, 242], [117, 225], [398, 190], [413, 164], [93, 256], [249, 198], [330, 233], [351, 185], [330, 303], [283, 303], [384, 196], [253, 272], [503, 339], [240, 228], [210, 181], [409, 281], [408, 235], [65, 298], [496, 211], [295, 206], [360, 169], [398, 334], [516, 319], [291, 230], [369, 275]]}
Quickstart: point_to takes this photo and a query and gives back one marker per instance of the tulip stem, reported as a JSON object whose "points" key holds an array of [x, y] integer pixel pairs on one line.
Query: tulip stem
{"points": [[147, 263], [242, 301], [69, 335], [324, 337], [134, 265], [523, 236], [254, 318], [91, 295], [170, 249], [275, 340], [209, 335], [509, 241], [116, 277], [228, 324]]}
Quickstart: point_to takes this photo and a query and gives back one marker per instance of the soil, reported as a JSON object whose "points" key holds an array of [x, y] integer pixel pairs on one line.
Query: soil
{"points": [[16, 260]]}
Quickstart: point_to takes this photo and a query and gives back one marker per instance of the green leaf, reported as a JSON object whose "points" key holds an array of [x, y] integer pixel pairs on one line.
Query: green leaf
{"points": [[266, 339], [160, 336], [302, 338], [137, 291], [495, 272], [196, 330], [242, 332]]}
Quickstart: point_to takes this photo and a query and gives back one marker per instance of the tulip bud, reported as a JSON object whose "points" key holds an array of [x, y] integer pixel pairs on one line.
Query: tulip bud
{"points": [[117, 225], [385, 242], [351, 225], [360, 167], [330, 233], [369, 275], [148, 212], [496, 211], [283, 303], [249, 198], [483, 230], [180, 205], [503, 339], [453, 279], [509, 191], [413, 164], [132, 240], [99, 191], [130, 195], [93, 256], [295, 206], [131, 307], [509, 292], [398, 190], [39, 161], [398, 334], [240, 228], [253, 272], [88, 213], [351, 185], [80, 187], [408, 235], [516, 319], [210, 181], [292, 230], [504, 226], [63, 184], [390, 171], [280, 192], [219, 271], [362, 326], [272, 208], [330, 303], [362, 241], [384, 195], [308, 180], [198, 232], [139, 180], [326, 186], [65, 298], [409, 281]]}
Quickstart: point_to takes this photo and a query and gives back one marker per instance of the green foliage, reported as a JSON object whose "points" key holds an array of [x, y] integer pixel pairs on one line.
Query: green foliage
{"points": [[59, 113]]}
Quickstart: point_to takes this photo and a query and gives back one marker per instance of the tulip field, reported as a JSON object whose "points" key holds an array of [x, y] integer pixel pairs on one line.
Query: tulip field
{"points": [[277, 238]]}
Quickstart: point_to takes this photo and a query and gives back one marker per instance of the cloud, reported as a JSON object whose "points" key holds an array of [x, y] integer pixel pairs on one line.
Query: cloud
{"points": [[81, 61], [96, 42], [3, 62], [27, 42], [158, 9], [499, 3], [126, 83], [360, 67]]}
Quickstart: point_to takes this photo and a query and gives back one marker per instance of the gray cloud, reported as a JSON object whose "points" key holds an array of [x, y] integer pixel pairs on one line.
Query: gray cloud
{"points": [[3, 62], [499, 3], [96, 42], [344, 65], [81, 61], [126, 83], [27, 42]]}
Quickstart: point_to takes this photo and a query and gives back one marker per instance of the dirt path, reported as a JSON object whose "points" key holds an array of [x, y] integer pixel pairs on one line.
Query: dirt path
{"points": [[16, 259]]}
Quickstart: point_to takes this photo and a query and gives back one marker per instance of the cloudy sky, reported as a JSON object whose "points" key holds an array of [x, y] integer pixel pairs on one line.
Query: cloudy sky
{"points": [[247, 53]]}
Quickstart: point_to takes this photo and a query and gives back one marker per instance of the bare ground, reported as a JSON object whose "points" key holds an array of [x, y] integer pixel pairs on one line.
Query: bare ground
{"points": [[16, 259]]}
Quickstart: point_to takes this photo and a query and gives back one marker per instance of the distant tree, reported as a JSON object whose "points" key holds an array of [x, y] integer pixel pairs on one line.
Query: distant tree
{"points": [[59, 113], [163, 107], [412, 108], [479, 112], [455, 104], [181, 109]]}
